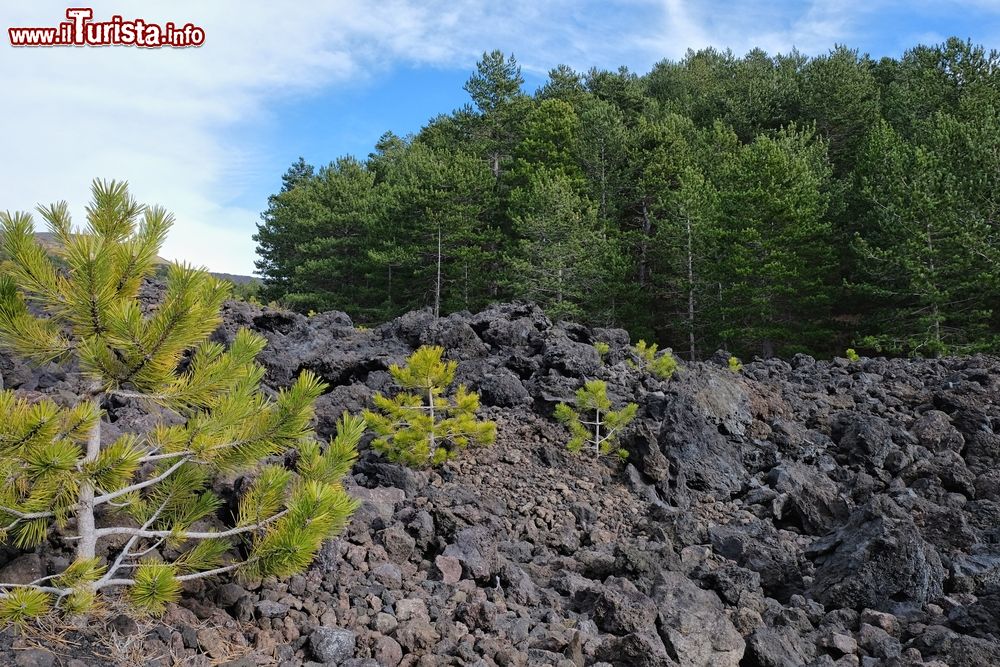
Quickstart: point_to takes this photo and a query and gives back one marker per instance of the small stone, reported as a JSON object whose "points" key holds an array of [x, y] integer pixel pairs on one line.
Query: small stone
{"points": [[411, 608], [124, 625], [228, 594], [22, 570], [34, 657], [297, 585], [385, 623], [450, 568], [332, 645], [210, 642], [880, 619], [188, 636], [388, 575], [398, 544], [387, 651], [844, 643], [417, 635], [270, 609]]}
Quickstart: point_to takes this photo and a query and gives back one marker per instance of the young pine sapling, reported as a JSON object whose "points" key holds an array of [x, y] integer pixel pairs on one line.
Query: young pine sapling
{"points": [[662, 366], [142, 496], [423, 426], [592, 422], [602, 349]]}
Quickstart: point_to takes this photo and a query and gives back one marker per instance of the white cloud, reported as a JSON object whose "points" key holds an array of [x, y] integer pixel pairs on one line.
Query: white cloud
{"points": [[160, 117]]}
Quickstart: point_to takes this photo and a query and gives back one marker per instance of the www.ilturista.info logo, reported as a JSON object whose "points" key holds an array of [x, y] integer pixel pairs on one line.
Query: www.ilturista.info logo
{"points": [[80, 30]]}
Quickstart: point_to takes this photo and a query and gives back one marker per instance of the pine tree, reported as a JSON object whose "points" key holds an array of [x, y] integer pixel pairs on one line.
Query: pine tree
{"points": [[278, 234], [774, 256], [430, 230], [422, 425], [495, 89], [927, 256], [592, 422], [565, 261], [142, 491]]}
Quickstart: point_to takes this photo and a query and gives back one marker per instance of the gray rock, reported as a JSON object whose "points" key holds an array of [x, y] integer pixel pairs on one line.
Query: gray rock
{"points": [[23, 569], [694, 625], [809, 495], [621, 609], [271, 609], [476, 549], [779, 647], [935, 431], [387, 652], [450, 568], [34, 657], [878, 559], [332, 645], [227, 594]]}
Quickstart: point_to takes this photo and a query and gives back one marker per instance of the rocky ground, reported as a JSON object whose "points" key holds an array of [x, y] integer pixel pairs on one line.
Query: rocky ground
{"points": [[798, 513]]}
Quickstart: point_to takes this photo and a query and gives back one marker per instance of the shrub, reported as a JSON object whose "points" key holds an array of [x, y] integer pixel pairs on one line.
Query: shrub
{"points": [[422, 425], [142, 491], [646, 359], [592, 422], [602, 349], [852, 355], [734, 364], [248, 291]]}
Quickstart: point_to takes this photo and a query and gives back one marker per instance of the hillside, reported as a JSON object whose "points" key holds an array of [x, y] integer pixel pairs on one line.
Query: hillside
{"points": [[800, 512]]}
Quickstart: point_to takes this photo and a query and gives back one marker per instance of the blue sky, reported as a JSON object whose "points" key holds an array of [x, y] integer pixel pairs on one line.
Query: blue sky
{"points": [[208, 132]]}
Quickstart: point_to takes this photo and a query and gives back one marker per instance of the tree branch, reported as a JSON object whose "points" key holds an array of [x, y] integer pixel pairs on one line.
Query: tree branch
{"points": [[107, 497], [24, 516], [183, 577], [186, 535]]}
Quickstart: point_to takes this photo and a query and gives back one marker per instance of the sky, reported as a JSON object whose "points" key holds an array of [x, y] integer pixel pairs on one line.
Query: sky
{"points": [[207, 132]]}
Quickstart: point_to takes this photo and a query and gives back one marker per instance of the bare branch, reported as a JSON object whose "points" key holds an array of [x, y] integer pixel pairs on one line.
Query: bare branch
{"points": [[183, 577], [24, 516], [189, 535], [107, 497]]}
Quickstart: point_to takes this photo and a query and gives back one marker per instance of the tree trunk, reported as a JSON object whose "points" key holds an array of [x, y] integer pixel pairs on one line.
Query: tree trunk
{"points": [[647, 227], [432, 439], [604, 183], [690, 271], [559, 287], [437, 284], [935, 311], [86, 526]]}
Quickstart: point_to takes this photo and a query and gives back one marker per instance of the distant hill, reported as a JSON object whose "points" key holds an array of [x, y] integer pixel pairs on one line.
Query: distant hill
{"points": [[48, 240]]}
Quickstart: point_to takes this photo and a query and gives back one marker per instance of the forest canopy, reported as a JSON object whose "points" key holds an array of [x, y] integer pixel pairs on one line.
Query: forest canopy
{"points": [[763, 204]]}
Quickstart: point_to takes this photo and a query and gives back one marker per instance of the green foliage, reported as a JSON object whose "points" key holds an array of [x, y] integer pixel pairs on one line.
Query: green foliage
{"points": [[661, 366], [566, 260], [734, 364], [423, 425], [929, 257], [18, 606], [602, 349], [592, 422], [852, 356], [79, 302], [246, 291], [155, 585], [761, 204]]}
